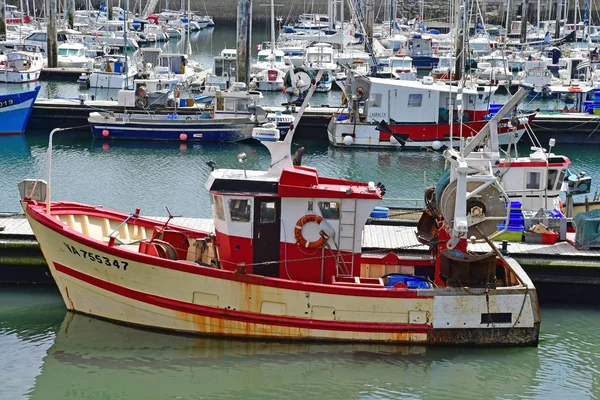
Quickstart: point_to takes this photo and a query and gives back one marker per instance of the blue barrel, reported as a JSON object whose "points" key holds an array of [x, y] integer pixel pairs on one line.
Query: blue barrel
{"points": [[182, 103], [380, 212]]}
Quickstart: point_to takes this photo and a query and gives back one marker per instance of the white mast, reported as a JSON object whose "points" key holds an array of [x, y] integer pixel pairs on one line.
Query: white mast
{"points": [[272, 28], [538, 17]]}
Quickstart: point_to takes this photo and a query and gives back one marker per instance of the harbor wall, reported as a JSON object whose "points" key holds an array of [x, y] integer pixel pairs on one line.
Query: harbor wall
{"points": [[434, 11]]}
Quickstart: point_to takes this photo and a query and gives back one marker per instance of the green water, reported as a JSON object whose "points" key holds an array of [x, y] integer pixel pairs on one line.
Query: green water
{"points": [[48, 353]]}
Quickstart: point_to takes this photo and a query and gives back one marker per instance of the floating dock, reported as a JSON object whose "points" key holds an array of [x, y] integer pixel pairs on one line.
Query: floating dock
{"points": [[573, 128], [63, 74], [67, 113], [559, 271]]}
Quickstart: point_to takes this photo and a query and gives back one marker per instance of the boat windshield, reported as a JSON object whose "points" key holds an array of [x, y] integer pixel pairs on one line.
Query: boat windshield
{"points": [[497, 63], [401, 63], [68, 52]]}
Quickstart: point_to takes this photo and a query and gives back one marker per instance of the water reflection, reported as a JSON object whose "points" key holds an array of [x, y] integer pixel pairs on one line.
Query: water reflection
{"points": [[54, 354], [28, 320], [88, 353]]}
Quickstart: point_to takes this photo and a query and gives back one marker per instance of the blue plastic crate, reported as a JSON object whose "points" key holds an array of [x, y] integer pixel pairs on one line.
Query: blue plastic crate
{"points": [[412, 282]]}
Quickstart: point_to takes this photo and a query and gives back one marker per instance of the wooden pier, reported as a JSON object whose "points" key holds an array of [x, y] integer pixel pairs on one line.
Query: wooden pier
{"points": [[559, 271]]}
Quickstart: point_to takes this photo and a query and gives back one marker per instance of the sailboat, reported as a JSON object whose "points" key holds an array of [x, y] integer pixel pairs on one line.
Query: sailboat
{"points": [[271, 66]]}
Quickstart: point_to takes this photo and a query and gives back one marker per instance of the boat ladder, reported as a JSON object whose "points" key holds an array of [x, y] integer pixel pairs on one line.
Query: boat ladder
{"points": [[347, 237]]}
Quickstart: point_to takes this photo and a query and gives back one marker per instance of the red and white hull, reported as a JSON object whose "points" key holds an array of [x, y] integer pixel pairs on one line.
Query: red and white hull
{"points": [[414, 136], [120, 283]]}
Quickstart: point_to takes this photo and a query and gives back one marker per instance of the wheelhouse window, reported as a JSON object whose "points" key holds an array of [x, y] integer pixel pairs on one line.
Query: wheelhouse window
{"points": [[552, 174], [533, 180], [239, 210], [415, 100], [329, 209], [268, 212], [218, 209], [375, 99]]}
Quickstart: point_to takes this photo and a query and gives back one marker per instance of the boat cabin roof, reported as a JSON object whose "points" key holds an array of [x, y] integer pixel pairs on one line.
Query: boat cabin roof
{"points": [[76, 46], [299, 182], [229, 53], [30, 48], [435, 86]]}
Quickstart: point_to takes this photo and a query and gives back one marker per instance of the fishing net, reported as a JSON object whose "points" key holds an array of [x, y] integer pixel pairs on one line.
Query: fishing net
{"points": [[587, 225]]}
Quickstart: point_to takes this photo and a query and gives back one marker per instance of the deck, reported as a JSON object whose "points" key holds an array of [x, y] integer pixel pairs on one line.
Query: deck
{"points": [[559, 271]]}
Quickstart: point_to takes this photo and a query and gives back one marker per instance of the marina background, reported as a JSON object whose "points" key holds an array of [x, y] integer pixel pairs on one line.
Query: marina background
{"points": [[51, 354]]}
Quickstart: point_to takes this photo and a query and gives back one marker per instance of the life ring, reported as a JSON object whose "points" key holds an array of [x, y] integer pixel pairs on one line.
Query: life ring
{"points": [[298, 232], [176, 92], [106, 50], [140, 91], [141, 102], [574, 89]]}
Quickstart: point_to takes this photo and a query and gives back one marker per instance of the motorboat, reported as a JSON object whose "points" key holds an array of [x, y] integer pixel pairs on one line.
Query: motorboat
{"points": [[23, 64], [74, 55]]}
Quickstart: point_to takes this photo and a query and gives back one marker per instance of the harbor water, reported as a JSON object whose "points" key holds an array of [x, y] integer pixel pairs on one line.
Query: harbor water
{"points": [[49, 353]]}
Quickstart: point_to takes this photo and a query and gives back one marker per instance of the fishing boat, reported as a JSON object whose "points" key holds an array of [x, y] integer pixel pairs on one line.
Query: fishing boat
{"points": [[320, 56], [415, 114], [14, 111], [115, 72], [284, 261], [229, 118], [23, 64]]}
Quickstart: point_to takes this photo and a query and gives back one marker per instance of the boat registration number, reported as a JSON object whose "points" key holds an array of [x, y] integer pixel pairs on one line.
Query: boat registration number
{"points": [[6, 103], [110, 262]]}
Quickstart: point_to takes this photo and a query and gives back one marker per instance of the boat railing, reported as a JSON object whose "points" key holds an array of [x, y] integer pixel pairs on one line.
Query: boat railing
{"points": [[404, 202]]}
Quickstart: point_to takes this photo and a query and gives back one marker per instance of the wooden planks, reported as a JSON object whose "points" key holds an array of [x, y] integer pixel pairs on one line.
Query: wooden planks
{"points": [[373, 237], [14, 225]]}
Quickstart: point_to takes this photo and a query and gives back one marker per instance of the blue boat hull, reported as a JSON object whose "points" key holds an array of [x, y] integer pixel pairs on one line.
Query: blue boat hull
{"points": [[15, 109], [213, 132], [425, 62]]}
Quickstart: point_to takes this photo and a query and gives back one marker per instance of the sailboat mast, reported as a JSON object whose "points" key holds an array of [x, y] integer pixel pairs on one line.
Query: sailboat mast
{"points": [[188, 45], [538, 17], [272, 27], [126, 8]]}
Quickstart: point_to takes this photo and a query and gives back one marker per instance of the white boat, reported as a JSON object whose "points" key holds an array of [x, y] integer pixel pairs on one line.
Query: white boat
{"points": [[493, 70], [271, 65], [289, 264], [35, 38], [222, 73], [414, 114], [115, 72], [536, 74], [320, 56], [74, 55], [445, 68], [268, 80], [401, 67], [23, 64]]}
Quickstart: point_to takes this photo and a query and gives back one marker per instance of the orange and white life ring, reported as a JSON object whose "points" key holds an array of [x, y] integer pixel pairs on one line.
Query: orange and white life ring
{"points": [[298, 232], [176, 92], [574, 89]]}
